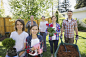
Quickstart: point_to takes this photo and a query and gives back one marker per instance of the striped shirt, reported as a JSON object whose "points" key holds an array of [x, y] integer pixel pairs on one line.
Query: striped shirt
{"points": [[69, 27], [57, 30]]}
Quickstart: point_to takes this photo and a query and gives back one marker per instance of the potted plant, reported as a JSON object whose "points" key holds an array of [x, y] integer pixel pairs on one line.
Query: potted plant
{"points": [[8, 43], [50, 29]]}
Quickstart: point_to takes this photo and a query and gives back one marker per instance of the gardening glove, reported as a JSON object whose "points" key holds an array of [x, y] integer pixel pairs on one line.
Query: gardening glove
{"points": [[61, 36], [76, 37]]}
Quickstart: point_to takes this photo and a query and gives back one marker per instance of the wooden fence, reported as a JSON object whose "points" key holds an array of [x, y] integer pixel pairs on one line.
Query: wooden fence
{"points": [[6, 25]]}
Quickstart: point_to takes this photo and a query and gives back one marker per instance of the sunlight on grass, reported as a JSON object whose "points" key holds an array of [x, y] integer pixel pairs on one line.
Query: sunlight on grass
{"points": [[1, 43]]}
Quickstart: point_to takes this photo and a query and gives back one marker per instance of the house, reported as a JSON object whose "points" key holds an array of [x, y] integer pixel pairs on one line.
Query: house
{"points": [[79, 14]]}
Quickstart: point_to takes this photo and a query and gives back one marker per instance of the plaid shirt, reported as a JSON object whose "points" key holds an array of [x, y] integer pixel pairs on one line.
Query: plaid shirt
{"points": [[69, 27], [57, 30]]}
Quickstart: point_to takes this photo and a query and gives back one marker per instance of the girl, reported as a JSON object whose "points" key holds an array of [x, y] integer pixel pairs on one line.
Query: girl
{"points": [[54, 39], [19, 36], [33, 40]]}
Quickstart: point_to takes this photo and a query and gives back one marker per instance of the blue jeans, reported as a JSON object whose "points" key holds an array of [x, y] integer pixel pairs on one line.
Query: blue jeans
{"points": [[55, 42], [9, 56], [44, 40]]}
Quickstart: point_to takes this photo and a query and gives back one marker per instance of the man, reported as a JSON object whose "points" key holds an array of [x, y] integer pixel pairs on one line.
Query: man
{"points": [[30, 23], [69, 25], [42, 29]]}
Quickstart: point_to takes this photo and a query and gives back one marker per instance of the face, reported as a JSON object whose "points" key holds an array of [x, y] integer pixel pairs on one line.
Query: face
{"points": [[69, 14], [34, 30], [32, 18], [19, 25], [43, 18], [53, 19]]}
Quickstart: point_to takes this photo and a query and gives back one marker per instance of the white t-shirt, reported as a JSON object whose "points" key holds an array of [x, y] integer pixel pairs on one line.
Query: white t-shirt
{"points": [[34, 42], [69, 20], [19, 40], [54, 36], [43, 26]]}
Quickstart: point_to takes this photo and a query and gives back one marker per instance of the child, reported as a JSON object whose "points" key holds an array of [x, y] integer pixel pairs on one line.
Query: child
{"points": [[34, 42], [20, 37]]}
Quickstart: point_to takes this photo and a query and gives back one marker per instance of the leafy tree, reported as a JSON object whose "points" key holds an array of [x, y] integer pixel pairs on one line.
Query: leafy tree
{"points": [[25, 8], [80, 4]]}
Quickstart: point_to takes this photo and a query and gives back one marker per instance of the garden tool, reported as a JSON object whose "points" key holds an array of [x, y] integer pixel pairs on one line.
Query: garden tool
{"points": [[64, 45]]}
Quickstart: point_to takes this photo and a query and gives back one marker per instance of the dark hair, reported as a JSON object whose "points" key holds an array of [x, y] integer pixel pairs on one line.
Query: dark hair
{"points": [[33, 26], [70, 11], [43, 16], [20, 20], [53, 16]]}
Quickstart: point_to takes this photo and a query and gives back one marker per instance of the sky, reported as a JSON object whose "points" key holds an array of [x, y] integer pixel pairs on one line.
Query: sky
{"points": [[7, 7]]}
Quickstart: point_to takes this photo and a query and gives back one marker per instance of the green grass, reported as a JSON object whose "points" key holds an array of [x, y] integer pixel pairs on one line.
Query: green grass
{"points": [[81, 44]]}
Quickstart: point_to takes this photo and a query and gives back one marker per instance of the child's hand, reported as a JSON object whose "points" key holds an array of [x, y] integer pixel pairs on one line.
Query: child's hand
{"points": [[32, 48], [40, 51]]}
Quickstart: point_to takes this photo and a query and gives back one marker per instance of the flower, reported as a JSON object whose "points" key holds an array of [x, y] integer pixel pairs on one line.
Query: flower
{"points": [[51, 25], [47, 24], [55, 33]]}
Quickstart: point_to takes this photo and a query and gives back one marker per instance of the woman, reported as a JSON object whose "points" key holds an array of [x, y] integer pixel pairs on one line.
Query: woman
{"points": [[42, 30], [32, 41], [54, 39], [20, 37]]}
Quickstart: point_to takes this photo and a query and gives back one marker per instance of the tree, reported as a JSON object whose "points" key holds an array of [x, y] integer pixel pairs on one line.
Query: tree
{"points": [[25, 8], [80, 4]]}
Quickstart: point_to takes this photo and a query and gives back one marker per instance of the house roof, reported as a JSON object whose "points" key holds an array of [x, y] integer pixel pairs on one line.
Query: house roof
{"points": [[80, 9]]}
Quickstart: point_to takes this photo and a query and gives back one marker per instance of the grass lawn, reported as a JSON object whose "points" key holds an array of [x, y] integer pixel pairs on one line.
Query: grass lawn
{"points": [[81, 44]]}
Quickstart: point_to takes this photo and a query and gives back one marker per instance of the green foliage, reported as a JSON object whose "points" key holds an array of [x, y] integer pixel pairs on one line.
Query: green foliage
{"points": [[2, 13], [25, 8], [80, 27], [80, 4], [57, 16], [51, 31], [8, 43], [84, 20]]}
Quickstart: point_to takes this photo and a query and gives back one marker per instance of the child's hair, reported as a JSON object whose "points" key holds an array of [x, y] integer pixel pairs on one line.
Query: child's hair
{"points": [[33, 26], [20, 20]]}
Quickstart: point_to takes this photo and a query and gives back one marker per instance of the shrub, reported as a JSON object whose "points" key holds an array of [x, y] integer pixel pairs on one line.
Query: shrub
{"points": [[80, 27], [84, 20], [8, 43]]}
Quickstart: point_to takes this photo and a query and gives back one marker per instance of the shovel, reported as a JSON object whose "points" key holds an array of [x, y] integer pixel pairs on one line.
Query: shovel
{"points": [[64, 46]]}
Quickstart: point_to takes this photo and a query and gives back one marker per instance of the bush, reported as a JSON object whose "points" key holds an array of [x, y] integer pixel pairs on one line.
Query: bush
{"points": [[84, 20], [80, 27], [8, 43]]}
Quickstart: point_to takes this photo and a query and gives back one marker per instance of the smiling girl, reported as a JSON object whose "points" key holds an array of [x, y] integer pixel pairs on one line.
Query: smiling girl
{"points": [[33, 40]]}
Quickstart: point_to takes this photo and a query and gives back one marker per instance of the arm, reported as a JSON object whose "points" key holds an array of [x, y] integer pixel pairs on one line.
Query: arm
{"points": [[26, 35], [76, 29], [39, 27], [22, 49], [58, 29], [27, 25]]}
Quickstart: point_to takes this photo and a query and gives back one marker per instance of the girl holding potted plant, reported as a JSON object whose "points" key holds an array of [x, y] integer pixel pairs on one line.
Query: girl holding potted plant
{"points": [[20, 37], [34, 42], [54, 35]]}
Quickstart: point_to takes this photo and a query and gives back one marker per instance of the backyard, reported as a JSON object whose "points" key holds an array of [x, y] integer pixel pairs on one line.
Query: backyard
{"points": [[81, 44]]}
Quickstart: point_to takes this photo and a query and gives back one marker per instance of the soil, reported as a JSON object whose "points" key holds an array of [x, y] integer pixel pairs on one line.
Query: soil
{"points": [[71, 51], [2, 38]]}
